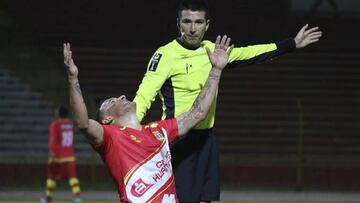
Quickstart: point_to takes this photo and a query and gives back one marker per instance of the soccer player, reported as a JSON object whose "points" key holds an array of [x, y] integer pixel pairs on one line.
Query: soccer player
{"points": [[61, 156], [177, 72], [138, 156]]}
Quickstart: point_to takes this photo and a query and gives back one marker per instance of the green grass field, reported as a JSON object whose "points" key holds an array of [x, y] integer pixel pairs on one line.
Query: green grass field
{"points": [[63, 187]]}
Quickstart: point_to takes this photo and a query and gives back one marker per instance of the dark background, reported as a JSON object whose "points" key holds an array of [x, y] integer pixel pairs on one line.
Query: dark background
{"points": [[293, 121]]}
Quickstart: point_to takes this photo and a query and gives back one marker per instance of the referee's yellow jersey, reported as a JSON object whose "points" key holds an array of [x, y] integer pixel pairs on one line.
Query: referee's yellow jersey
{"points": [[177, 74]]}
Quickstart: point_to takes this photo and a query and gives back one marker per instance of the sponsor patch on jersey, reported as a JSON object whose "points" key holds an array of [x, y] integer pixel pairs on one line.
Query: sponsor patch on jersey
{"points": [[140, 187], [135, 139], [154, 62], [158, 135], [154, 125]]}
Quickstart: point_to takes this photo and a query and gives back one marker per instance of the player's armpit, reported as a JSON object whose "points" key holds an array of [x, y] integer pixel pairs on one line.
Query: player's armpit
{"points": [[94, 132]]}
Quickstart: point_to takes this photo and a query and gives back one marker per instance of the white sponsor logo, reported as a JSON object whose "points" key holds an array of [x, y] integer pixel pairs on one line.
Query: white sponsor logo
{"points": [[146, 181], [139, 188], [168, 198], [163, 167]]}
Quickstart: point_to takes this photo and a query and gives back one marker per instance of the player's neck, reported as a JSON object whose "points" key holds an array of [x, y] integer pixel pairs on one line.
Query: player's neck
{"points": [[129, 121]]}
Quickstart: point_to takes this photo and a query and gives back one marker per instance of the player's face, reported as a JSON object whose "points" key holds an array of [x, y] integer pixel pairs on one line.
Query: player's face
{"points": [[118, 106], [192, 26]]}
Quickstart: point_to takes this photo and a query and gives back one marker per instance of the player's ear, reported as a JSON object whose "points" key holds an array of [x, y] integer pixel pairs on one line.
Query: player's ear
{"points": [[178, 23], [107, 120]]}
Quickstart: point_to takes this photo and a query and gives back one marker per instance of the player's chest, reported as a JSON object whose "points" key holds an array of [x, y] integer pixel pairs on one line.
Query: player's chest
{"points": [[142, 142], [136, 148], [191, 71]]}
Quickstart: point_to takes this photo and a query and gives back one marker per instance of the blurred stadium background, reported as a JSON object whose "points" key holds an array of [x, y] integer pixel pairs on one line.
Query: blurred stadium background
{"points": [[288, 125]]}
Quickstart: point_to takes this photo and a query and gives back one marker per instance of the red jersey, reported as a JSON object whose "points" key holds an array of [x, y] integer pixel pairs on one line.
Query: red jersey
{"points": [[140, 161], [61, 139]]}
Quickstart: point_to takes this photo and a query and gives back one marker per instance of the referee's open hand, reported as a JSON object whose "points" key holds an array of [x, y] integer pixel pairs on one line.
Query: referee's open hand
{"points": [[219, 58]]}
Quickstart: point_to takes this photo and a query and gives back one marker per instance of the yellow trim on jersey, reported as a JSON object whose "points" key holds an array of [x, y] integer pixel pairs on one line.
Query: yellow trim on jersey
{"points": [[162, 191], [62, 159]]}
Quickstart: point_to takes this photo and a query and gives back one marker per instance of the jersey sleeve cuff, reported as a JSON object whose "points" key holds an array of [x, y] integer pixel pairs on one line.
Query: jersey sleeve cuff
{"points": [[286, 45]]}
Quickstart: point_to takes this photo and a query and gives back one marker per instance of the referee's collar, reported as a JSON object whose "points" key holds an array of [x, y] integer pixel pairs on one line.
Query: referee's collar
{"points": [[186, 46]]}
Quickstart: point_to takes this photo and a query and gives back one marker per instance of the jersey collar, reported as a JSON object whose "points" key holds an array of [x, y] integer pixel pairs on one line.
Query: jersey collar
{"points": [[185, 46]]}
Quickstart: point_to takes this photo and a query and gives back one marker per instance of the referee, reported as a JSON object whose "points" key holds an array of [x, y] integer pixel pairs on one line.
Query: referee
{"points": [[177, 72]]}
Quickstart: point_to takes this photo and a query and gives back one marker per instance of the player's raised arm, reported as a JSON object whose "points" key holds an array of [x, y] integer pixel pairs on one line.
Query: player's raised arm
{"points": [[92, 129], [199, 110]]}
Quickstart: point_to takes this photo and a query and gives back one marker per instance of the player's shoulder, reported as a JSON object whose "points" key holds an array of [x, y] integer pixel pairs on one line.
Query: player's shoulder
{"points": [[156, 125], [152, 125], [111, 131], [207, 43], [111, 127], [55, 122], [169, 49], [157, 129], [163, 53], [65, 121], [171, 45], [161, 124]]}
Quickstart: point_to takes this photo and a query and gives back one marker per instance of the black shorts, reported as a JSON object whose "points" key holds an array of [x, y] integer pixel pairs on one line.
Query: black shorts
{"points": [[195, 160]]}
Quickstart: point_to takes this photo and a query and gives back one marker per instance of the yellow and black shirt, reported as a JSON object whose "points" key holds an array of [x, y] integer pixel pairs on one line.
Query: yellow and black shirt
{"points": [[177, 74]]}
